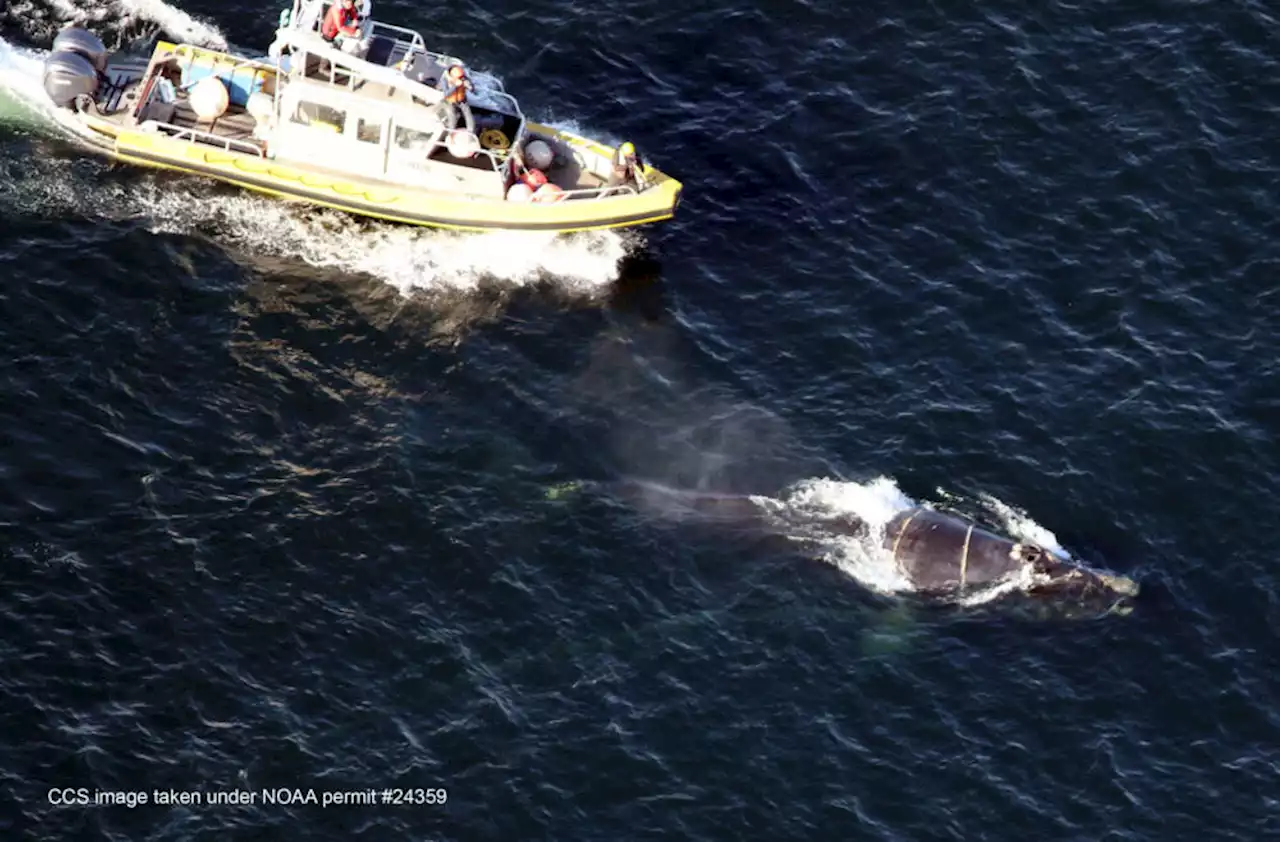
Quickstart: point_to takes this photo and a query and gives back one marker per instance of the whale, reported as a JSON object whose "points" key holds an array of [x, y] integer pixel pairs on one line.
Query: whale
{"points": [[941, 557], [940, 553]]}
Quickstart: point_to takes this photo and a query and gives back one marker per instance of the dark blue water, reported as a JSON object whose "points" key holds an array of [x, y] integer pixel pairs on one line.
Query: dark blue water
{"points": [[293, 500]]}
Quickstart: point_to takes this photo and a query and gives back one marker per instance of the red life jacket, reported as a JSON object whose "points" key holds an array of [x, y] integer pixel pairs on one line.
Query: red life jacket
{"points": [[339, 20]]}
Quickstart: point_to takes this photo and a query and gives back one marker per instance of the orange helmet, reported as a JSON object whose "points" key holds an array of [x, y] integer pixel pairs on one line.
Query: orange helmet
{"points": [[456, 72]]}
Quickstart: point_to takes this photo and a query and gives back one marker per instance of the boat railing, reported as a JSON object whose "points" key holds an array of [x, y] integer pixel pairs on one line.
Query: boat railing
{"points": [[411, 40], [497, 157], [503, 96], [408, 43], [347, 72], [191, 52], [197, 136], [599, 192]]}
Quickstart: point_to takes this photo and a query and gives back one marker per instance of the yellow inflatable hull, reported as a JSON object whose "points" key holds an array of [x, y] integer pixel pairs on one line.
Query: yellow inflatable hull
{"points": [[393, 203]]}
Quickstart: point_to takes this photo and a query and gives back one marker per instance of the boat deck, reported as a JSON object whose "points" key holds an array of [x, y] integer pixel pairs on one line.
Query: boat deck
{"points": [[235, 124]]}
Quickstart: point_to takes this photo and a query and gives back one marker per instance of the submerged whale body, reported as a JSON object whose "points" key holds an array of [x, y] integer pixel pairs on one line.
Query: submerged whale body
{"points": [[941, 557]]}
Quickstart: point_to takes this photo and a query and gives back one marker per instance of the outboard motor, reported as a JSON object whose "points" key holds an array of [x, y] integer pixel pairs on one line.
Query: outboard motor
{"points": [[74, 68], [84, 42], [68, 76]]}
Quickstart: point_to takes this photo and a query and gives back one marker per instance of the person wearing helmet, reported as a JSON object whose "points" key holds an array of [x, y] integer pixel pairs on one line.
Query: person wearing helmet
{"points": [[455, 84], [625, 167]]}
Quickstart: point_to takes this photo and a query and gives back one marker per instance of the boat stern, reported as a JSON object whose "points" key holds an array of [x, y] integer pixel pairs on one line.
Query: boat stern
{"points": [[581, 168]]}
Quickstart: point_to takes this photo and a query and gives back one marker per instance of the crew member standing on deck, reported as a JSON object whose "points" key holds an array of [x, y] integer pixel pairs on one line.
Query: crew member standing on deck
{"points": [[455, 85]]}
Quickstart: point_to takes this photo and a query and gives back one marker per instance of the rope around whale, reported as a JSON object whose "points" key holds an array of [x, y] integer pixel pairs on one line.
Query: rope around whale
{"points": [[964, 558], [898, 539]]}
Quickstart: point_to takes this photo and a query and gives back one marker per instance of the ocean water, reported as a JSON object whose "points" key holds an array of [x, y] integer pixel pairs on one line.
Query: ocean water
{"points": [[292, 500]]}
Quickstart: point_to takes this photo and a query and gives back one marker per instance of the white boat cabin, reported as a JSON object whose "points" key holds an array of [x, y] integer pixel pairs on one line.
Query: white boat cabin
{"points": [[329, 114], [384, 121]]}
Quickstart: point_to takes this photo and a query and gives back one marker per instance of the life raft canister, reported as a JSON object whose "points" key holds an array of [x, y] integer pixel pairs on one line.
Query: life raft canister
{"points": [[519, 192], [462, 143]]}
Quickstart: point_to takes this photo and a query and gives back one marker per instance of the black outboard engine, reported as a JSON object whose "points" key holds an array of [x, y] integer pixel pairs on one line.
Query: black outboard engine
{"points": [[84, 42], [74, 67]]}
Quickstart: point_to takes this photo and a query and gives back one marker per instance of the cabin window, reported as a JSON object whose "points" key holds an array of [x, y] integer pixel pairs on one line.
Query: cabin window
{"points": [[412, 139], [368, 131], [320, 116]]}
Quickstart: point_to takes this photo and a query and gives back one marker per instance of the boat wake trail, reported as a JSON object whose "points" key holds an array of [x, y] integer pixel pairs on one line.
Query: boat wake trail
{"points": [[20, 80], [409, 259], [117, 22]]}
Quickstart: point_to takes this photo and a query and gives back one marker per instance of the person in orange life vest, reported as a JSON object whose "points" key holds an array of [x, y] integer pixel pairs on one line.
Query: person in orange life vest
{"points": [[341, 26], [625, 167], [455, 84]]}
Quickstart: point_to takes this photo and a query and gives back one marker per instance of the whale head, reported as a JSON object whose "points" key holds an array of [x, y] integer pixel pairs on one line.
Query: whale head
{"points": [[1073, 590]]}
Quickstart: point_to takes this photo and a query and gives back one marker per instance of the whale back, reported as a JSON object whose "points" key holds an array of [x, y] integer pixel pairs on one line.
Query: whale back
{"points": [[938, 552]]}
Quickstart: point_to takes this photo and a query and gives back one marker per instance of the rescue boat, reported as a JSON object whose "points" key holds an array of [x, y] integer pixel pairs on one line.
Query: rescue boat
{"points": [[360, 132]]}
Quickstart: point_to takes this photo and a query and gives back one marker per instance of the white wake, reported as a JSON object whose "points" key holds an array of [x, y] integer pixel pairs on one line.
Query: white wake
{"points": [[113, 18], [175, 23]]}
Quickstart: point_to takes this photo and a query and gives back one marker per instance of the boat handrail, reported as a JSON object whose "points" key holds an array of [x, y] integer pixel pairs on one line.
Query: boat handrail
{"points": [[354, 77], [356, 69], [183, 49], [194, 136], [503, 95], [598, 192], [497, 157], [410, 41], [412, 44]]}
